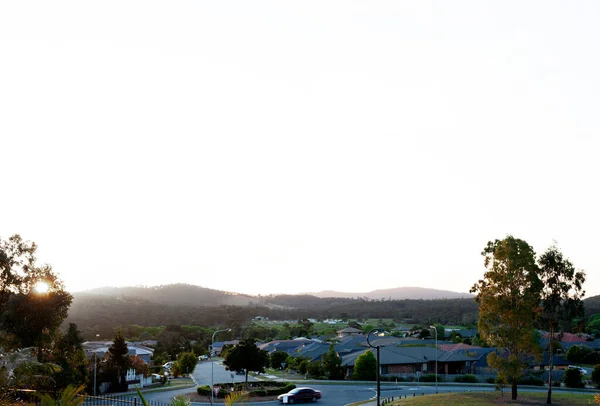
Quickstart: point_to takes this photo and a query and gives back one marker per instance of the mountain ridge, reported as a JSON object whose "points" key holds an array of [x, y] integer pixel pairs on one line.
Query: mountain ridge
{"points": [[188, 294]]}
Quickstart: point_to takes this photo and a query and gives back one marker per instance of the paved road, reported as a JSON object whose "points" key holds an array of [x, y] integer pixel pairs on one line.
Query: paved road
{"points": [[334, 394], [204, 370]]}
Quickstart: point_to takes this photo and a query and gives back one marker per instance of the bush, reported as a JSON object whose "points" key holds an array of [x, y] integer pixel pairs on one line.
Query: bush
{"points": [[556, 383], [490, 380], [572, 378], [427, 378], [596, 375], [203, 390], [467, 378]]}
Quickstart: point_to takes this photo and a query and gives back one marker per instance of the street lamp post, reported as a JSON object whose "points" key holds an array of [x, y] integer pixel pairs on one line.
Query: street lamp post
{"points": [[95, 357], [377, 369], [212, 365], [436, 359]]}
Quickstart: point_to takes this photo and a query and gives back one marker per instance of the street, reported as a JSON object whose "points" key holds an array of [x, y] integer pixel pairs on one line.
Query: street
{"points": [[334, 394]]}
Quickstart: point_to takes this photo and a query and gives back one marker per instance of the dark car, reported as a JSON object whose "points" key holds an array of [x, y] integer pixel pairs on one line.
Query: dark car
{"points": [[300, 395]]}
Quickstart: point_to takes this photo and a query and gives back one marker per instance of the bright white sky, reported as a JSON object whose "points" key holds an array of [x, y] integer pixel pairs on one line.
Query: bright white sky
{"points": [[282, 147]]}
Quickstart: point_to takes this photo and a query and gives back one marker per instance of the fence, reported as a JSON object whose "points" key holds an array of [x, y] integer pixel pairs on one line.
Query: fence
{"points": [[28, 395]]}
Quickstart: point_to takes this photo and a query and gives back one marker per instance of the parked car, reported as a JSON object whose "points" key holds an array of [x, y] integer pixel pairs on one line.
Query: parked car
{"points": [[168, 365], [303, 394], [241, 372], [202, 357], [582, 370]]}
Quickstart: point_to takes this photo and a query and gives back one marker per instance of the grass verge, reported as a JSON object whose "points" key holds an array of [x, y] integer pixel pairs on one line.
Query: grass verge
{"points": [[487, 398]]}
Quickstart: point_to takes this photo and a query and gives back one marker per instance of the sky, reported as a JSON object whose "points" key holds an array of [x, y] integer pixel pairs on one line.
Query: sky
{"points": [[267, 147]]}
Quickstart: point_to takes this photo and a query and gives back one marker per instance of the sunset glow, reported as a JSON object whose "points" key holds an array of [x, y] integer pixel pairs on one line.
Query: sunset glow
{"points": [[41, 287]]}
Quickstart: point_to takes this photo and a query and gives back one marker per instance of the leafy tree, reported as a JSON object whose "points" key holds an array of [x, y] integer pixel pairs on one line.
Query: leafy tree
{"points": [[561, 296], [441, 331], [70, 356], [118, 362], [577, 353], [277, 358], [246, 356], [140, 366], [332, 364], [187, 362], [365, 367], [27, 317], [508, 298]]}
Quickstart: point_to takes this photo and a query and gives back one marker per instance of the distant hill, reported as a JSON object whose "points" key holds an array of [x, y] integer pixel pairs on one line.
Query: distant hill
{"points": [[592, 305], [397, 294], [178, 294]]}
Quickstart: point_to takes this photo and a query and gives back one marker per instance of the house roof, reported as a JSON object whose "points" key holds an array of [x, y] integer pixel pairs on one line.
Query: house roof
{"points": [[456, 347], [569, 337]]}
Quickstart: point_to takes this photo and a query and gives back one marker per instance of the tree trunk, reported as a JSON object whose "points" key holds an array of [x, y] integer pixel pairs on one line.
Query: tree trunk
{"points": [[513, 389]]}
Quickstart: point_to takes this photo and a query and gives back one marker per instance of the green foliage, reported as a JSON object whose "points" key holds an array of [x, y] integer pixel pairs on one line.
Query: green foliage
{"points": [[593, 322], [332, 364], [441, 331], [277, 358], [246, 356], [69, 396], [303, 366], [428, 378], [29, 318], [365, 367], [70, 356], [187, 362], [508, 298], [577, 353], [117, 363], [315, 370], [573, 378], [467, 378], [596, 375]]}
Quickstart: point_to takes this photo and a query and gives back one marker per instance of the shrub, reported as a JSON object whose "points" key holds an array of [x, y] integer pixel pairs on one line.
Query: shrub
{"points": [[467, 378], [490, 379], [203, 390], [596, 375], [427, 378], [572, 378], [556, 383]]}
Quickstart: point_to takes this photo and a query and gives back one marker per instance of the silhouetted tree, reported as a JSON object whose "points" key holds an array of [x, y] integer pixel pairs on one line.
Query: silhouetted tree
{"points": [[118, 362], [246, 356]]}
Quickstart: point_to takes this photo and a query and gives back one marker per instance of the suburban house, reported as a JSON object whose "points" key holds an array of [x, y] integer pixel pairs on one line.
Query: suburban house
{"points": [[399, 361], [349, 331], [99, 348], [218, 346]]}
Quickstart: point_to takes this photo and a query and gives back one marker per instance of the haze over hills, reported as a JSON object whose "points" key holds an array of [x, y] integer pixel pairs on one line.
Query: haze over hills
{"points": [[398, 294], [192, 295]]}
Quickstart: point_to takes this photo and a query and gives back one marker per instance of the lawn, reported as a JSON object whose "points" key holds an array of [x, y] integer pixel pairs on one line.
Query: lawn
{"points": [[487, 398]]}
